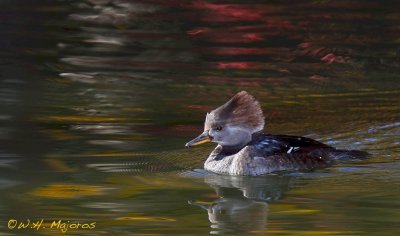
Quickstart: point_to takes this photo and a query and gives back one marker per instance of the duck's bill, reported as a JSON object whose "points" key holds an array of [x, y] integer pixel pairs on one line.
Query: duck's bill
{"points": [[202, 138]]}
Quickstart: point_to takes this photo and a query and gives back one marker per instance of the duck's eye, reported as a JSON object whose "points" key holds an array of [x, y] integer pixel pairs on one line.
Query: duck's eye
{"points": [[218, 128]]}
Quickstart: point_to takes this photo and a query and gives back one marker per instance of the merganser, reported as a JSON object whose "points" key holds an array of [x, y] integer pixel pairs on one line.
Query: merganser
{"points": [[243, 149]]}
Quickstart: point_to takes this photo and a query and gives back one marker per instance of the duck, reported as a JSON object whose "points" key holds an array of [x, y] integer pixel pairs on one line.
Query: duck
{"points": [[243, 149]]}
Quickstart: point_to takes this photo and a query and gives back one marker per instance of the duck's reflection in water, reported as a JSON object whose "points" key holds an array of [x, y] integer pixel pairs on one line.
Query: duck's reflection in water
{"points": [[242, 204]]}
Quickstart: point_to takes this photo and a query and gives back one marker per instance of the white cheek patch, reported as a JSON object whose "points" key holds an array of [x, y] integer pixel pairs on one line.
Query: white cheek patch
{"points": [[234, 135]]}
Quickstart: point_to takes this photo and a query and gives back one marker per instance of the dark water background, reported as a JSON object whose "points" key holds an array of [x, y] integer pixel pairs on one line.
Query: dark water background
{"points": [[98, 98]]}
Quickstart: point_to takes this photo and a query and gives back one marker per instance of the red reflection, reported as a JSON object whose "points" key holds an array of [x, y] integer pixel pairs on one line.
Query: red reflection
{"points": [[196, 31], [231, 12], [228, 35], [253, 37], [238, 65], [247, 51], [246, 33], [328, 55], [330, 58]]}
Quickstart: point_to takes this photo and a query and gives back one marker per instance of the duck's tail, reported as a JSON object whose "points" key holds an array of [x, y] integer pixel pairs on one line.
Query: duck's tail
{"points": [[341, 154]]}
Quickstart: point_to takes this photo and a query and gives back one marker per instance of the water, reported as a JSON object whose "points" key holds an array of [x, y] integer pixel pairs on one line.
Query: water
{"points": [[98, 98]]}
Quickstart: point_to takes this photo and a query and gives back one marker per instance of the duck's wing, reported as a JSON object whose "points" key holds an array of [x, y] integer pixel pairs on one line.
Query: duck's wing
{"points": [[302, 146], [283, 152], [293, 144], [288, 145], [289, 153]]}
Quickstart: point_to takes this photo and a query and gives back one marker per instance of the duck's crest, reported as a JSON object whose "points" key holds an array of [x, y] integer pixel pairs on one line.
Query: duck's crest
{"points": [[241, 110]]}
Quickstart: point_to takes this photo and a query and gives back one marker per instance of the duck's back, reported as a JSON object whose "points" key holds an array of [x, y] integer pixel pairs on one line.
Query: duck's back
{"points": [[271, 153]]}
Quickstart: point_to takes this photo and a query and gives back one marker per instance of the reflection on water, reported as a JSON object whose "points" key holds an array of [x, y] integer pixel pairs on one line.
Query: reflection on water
{"points": [[230, 215], [98, 97], [242, 203]]}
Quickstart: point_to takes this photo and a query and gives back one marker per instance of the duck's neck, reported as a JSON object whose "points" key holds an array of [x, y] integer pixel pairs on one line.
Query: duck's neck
{"points": [[230, 150]]}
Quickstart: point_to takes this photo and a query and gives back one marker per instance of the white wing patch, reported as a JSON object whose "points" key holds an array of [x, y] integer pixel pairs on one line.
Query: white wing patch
{"points": [[292, 149]]}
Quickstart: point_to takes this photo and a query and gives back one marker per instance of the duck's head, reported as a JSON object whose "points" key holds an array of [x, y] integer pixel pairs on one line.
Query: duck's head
{"points": [[233, 123]]}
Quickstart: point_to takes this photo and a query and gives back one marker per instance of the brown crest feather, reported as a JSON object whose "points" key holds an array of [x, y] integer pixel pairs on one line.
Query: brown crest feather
{"points": [[241, 110]]}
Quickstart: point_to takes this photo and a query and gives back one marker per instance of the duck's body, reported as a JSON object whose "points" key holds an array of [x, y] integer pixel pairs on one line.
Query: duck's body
{"points": [[271, 153], [243, 150]]}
